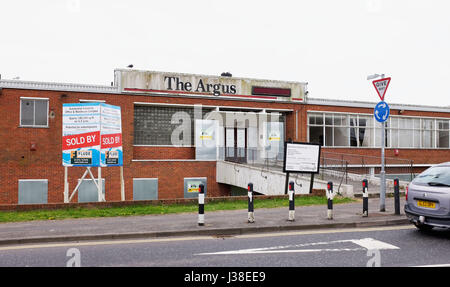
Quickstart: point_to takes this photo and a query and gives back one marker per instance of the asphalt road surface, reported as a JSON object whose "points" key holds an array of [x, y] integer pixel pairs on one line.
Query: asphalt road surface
{"points": [[382, 246]]}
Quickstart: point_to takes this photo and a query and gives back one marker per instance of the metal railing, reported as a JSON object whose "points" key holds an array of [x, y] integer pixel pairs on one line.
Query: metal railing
{"points": [[252, 156], [339, 165], [367, 165]]}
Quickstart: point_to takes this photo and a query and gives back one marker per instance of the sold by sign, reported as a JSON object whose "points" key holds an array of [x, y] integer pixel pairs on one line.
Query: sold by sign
{"points": [[81, 140], [111, 153], [111, 140], [92, 135], [81, 134]]}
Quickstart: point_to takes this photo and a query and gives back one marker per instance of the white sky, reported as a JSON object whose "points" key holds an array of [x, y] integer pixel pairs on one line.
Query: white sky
{"points": [[332, 45]]}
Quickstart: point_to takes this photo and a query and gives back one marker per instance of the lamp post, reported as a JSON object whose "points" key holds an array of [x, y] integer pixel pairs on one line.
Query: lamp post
{"points": [[383, 143]]}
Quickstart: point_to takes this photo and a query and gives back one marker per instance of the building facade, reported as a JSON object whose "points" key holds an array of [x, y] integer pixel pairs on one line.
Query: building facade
{"points": [[176, 126]]}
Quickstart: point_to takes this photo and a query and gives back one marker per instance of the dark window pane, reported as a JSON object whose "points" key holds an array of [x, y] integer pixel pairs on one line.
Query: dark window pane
{"points": [[40, 118], [27, 112], [153, 125]]}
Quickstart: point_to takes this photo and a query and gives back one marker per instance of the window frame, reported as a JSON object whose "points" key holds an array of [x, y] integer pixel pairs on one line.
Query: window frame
{"points": [[375, 128], [34, 112]]}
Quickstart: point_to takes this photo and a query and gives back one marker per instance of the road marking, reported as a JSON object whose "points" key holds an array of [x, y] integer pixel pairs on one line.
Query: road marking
{"points": [[434, 265], [371, 244], [95, 243], [327, 231], [196, 238], [365, 244]]}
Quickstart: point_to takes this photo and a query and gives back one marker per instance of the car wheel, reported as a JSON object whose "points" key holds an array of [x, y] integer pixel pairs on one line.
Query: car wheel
{"points": [[423, 227]]}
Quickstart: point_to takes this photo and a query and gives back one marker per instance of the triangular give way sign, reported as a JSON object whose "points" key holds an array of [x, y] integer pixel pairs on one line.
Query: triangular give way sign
{"points": [[381, 86]]}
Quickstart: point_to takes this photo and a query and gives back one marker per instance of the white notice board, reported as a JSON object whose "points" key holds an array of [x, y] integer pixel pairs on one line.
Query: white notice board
{"points": [[301, 157]]}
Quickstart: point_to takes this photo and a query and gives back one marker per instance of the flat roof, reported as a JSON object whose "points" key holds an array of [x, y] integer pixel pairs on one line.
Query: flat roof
{"points": [[371, 105], [88, 88]]}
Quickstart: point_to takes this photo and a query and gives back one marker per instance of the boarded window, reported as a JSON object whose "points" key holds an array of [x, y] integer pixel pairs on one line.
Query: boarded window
{"points": [[145, 188], [33, 191], [87, 192]]}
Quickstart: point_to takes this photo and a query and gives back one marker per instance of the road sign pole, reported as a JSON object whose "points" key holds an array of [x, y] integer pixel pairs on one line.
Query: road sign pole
{"points": [[382, 172]]}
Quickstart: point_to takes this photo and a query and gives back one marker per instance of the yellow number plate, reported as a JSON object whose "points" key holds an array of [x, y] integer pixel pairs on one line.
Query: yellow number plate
{"points": [[427, 204]]}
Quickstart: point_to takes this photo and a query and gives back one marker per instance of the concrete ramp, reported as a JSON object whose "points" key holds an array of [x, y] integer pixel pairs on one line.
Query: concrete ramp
{"points": [[268, 181]]}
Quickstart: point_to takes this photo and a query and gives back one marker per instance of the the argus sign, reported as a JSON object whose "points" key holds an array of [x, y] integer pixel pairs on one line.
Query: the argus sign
{"points": [[92, 135]]}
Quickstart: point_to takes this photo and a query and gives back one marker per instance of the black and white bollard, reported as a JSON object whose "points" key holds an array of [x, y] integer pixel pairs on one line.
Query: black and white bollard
{"points": [[201, 205], [365, 198], [251, 214], [330, 196], [291, 193], [397, 196]]}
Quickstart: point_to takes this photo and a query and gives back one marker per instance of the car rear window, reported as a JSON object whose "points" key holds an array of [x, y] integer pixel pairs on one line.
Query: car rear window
{"points": [[434, 176]]}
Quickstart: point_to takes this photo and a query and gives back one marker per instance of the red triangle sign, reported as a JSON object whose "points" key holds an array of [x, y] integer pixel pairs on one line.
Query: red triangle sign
{"points": [[381, 86]]}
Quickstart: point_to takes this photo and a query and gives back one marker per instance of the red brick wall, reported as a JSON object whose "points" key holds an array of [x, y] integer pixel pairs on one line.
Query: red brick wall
{"points": [[143, 152], [18, 162]]}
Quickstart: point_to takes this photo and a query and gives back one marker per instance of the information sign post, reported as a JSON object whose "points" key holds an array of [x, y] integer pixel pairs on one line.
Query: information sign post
{"points": [[301, 158]]}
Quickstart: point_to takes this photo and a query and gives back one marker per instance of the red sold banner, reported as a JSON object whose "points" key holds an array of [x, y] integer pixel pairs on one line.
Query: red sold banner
{"points": [[81, 140], [111, 140]]}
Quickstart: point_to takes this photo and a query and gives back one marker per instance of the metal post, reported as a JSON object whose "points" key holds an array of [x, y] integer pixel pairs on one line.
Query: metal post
{"points": [[66, 185], [365, 198], [311, 183], [251, 214], [382, 172], [100, 185], [201, 205], [286, 185], [397, 196], [122, 185], [330, 196], [291, 201]]}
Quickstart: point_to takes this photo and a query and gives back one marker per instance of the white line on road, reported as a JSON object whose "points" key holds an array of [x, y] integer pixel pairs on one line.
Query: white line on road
{"points": [[434, 265], [174, 239], [365, 243]]}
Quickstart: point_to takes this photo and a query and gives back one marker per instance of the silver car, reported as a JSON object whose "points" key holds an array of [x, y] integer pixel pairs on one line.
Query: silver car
{"points": [[428, 198]]}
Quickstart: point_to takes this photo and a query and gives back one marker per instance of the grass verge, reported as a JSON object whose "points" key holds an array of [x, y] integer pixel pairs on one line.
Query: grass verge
{"points": [[71, 213]]}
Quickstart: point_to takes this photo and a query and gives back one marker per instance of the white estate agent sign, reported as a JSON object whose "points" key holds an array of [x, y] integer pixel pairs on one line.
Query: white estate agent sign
{"points": [[111, 136], [81, 134], [302, 157], [92, 135]]}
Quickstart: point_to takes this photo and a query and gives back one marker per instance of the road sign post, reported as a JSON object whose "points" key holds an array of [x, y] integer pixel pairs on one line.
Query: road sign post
{"points": [[381, 114]]}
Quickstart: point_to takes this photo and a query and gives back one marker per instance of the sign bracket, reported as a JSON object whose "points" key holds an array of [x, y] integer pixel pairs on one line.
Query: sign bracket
{"points": [[98, 184]]}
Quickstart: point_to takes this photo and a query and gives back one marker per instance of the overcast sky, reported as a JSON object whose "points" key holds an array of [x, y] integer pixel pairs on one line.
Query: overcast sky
{"points": [[333, 45]]}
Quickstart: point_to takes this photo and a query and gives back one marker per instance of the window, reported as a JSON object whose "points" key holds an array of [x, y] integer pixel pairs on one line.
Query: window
{"points": [[427, 133], [88, 192], [33, 191], [33, 112], [434, 176], [154, 125], [443, 134], [360, 130], [340, 129], [145, 188]]}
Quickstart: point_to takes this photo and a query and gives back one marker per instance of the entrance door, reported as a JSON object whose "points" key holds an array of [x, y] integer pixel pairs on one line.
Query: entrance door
{"points": [[236, 144]]}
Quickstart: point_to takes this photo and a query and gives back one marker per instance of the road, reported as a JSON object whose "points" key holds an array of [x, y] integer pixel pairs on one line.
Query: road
{"points": [[382, 246]]}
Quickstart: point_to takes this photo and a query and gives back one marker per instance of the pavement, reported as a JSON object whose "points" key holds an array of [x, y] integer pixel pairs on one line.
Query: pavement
{"points": [[217, 223]]}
